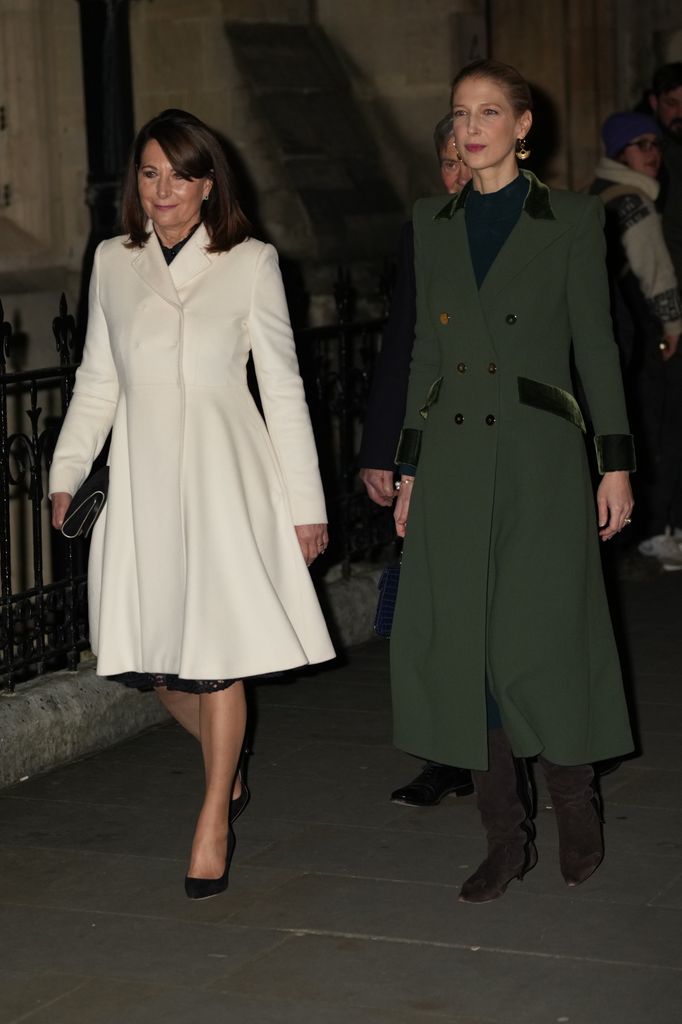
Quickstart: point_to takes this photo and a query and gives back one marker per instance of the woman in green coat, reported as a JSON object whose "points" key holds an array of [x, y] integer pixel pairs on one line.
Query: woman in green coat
{"points": [[502, 646]]}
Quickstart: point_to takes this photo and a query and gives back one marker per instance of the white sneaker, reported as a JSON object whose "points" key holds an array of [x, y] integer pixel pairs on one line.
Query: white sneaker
{"points": [[665, 549], [677, 536]]}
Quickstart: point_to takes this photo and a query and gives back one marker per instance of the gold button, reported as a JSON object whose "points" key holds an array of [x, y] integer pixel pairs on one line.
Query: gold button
{"points": [[492, 368], [444, 317], [461, 367]]}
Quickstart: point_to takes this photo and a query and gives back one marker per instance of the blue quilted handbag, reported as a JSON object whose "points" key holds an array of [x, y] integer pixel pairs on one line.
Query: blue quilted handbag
{"points": [[388, 592]]}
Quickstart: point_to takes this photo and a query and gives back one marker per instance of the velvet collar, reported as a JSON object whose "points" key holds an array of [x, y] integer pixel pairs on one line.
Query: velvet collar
{"points": [[536, 204]]}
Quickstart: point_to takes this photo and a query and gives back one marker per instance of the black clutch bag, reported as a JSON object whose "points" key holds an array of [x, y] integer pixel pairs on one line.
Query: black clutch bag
{"points": [[388, 592], [86, 505]]}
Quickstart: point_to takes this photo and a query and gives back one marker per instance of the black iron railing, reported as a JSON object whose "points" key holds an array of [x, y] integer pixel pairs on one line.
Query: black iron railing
{"points": [[43, 612]]}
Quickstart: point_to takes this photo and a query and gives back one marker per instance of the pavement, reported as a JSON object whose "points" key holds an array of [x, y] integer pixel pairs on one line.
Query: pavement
{"points": [[61, 716], [342, 907]]}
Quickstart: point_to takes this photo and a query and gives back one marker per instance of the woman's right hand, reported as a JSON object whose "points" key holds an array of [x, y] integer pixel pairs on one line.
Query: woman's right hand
{"points": [[60, 506], [402, 505]]}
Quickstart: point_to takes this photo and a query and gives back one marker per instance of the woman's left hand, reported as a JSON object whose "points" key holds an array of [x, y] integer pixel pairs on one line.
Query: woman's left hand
{"points": [[313, 539], [614, 503]]}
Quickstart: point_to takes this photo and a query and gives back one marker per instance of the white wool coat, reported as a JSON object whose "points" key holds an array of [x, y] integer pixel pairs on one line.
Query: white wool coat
{"points": [[195, 568]]}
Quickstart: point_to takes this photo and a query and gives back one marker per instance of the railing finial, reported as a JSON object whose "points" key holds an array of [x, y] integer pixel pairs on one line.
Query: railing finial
{"points": [[5, 339], [64, 330]]}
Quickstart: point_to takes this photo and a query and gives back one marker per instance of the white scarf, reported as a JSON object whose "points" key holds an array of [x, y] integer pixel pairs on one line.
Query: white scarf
{"points": [[613, 170]]}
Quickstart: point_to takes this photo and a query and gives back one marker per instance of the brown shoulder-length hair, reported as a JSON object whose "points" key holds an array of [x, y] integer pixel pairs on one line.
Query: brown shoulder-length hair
{"points": [[512, 83], [194, 151]]}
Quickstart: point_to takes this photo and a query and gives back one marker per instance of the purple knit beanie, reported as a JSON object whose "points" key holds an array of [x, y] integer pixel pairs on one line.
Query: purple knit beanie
{"points": [[620, 129]]}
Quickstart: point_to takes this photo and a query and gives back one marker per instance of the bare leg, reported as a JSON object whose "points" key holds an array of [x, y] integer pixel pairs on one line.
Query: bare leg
{"points": [[185, 709], [222, 717]]}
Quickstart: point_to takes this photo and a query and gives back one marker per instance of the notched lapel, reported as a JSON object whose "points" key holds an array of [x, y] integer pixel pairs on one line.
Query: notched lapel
{"points": [[165, 279], [537, 228], [192, 259], [154, 271], [527, 240]]}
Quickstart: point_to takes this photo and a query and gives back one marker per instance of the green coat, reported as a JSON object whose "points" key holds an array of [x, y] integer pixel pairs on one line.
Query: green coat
{"points": [[501, 572]]}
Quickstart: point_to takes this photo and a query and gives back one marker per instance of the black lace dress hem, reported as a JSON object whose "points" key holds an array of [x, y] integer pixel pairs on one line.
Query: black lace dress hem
{"points": [[146, 681]]}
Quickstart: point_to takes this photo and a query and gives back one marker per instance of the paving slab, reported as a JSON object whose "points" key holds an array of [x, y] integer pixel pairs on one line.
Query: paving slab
{"points": [[114, 1001], [342, 906], [440, 981]]}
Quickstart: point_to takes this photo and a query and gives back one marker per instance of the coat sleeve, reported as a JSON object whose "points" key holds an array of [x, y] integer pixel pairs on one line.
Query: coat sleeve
{"points": [[426, 358], [281, 391], [386, 404], [596, 353], [91, 411]]}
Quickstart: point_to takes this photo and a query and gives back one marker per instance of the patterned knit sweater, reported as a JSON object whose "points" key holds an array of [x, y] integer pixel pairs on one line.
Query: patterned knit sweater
{"points": [[629, 197]]}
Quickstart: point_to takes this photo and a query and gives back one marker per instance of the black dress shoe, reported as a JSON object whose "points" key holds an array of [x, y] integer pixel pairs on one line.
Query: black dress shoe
{"points": [[433, 783], [239, 803], [203, 888]]}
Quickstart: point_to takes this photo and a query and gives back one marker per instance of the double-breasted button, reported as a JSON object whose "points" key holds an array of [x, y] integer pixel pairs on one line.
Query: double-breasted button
{"points": [[444, 318], [490, 419], [461, 367], [511, 318], [459, 419], [492, 368]]}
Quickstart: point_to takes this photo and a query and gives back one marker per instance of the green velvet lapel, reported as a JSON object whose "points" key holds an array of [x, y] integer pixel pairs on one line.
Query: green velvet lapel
{"points": [[537, 228]]}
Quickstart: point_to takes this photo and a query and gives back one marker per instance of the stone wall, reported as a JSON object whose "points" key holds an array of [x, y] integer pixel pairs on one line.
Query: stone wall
{"points": [[43, 229], [587, 58]]}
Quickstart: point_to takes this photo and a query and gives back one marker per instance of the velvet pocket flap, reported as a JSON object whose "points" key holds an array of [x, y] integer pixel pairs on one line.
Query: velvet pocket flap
{"points": [[431, 398], [550, 398]]}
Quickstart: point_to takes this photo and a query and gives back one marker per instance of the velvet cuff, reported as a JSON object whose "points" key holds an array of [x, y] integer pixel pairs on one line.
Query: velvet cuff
{"points": [[408, 447], [615, 452]]}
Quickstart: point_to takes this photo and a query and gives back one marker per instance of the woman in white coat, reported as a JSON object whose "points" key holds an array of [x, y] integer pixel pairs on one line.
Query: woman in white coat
{"points": [[198, 572]]}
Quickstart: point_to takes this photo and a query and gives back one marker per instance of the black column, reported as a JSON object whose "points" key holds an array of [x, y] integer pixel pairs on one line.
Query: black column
{"points": [[107, 89], [107, 86]]}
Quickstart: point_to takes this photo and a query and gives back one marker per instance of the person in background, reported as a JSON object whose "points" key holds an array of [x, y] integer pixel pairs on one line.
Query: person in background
{"points": [[502, 645], [666, 102], [384, 418], [648, 320]]}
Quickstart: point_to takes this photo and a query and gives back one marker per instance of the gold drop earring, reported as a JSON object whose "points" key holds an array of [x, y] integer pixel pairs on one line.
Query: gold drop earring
{"points": [[522, 150]]}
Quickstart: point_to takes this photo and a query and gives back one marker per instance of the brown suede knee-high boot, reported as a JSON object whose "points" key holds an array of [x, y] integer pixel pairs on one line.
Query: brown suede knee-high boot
{"points": [[503, 798], [581, 841]]}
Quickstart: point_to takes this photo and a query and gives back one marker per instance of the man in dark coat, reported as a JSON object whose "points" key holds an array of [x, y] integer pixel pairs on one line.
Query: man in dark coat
{"points": [[384, 419]]}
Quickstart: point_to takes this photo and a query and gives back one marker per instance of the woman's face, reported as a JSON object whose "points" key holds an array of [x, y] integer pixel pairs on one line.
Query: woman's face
{"points": [[172, 202], [643, 154], [485, 124]]}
